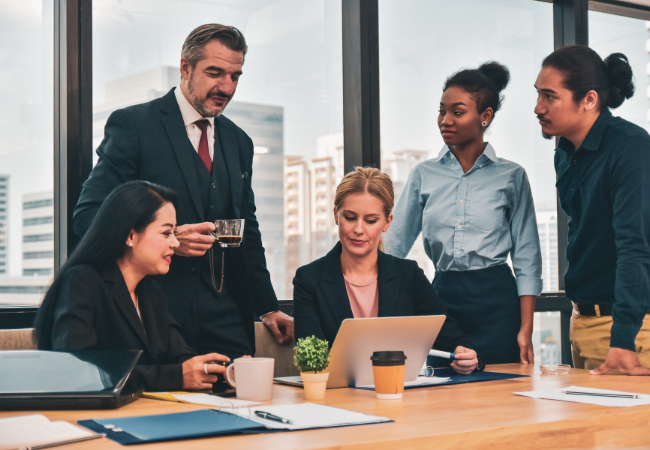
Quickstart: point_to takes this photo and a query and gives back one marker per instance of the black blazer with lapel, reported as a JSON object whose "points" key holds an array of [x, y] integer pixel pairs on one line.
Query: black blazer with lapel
{"points": [[321, 302], [94, 310], [149, 142]]}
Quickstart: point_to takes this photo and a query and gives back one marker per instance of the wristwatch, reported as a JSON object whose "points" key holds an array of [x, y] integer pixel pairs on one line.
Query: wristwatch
{"points": [[481, 364]]}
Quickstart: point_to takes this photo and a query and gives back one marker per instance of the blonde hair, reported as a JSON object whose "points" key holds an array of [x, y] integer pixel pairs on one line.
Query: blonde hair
{"points": [[372, 181]]}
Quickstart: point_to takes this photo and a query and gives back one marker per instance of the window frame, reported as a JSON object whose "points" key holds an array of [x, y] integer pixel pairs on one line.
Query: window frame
{"points": [[361, 101]]}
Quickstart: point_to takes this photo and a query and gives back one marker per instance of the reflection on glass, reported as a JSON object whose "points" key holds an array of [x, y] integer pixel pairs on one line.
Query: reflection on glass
{"points": [[289, 101], [26, 150], [615, 34], [547, 338], [422, 42], [50, 372]]}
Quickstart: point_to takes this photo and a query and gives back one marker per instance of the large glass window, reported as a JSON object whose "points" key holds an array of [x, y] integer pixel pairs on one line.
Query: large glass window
{"points": [[289, 101], [422, 42], [26, 150], [615, 34]]}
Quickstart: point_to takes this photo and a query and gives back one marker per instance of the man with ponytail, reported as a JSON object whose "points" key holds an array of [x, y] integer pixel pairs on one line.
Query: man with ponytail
{"points": [[603, 170]]}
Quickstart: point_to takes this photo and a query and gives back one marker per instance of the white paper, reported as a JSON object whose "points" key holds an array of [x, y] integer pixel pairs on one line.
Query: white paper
{"points": [[309, 415], [556, 394], [36, 429], [419, 381], [213, 400]]}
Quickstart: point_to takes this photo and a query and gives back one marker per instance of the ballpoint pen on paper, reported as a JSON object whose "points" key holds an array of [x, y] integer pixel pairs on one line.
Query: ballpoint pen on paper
{"points": [[439, 354], [598, 394], [269, 416]]}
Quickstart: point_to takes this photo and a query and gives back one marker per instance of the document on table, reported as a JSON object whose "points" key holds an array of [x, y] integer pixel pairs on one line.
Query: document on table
{"points": [[213, 400], [556, 394], [419, 381], [36, 429], [309, 415]]}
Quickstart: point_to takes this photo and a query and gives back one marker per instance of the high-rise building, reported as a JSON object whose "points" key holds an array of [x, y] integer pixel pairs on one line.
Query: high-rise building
{"points": [[309, 189], [296, 217], [265, 126], [38, 234], [399, 168], [547, 229], [4, 225]]}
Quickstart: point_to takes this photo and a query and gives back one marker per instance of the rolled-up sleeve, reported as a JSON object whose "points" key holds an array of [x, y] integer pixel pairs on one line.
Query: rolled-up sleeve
{"points": [[407, 218], [526, 253]]}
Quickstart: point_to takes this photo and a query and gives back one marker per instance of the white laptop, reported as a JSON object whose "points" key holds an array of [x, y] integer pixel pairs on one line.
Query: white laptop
{"points": [[357, 339]]}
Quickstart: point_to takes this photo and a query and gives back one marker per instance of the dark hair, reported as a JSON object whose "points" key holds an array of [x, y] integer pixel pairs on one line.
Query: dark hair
{"points": [[584, 70], [483, 84], [231, 37], [130, 206]]}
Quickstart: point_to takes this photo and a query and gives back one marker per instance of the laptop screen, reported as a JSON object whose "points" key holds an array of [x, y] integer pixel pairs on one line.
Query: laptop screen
{"points": [[35, 371]]}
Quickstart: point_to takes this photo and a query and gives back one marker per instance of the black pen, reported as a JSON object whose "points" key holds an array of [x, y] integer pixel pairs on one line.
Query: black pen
{"points": [[274, 418], [598, 394]]}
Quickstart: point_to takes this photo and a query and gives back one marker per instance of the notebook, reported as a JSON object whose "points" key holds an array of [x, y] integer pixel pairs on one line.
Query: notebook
{"points": [[35, 430]]}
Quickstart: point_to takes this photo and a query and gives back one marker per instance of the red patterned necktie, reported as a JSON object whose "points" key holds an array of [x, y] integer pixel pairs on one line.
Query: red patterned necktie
{"points": [[204, 151]]}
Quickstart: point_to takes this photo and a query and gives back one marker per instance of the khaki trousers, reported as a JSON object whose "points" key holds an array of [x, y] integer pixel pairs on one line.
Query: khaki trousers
{"points": [[590, 340]]}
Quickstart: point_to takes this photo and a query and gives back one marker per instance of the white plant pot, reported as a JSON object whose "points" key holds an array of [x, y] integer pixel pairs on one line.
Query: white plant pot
{"points": [[315, 384]]}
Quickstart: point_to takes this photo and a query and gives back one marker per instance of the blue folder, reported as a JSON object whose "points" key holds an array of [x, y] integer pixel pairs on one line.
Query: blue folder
{"points": [[457, 378], [168, 427]]}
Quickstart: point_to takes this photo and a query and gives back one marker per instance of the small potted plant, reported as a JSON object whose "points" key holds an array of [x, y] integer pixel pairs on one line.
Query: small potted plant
{"points": [[312, 357]]}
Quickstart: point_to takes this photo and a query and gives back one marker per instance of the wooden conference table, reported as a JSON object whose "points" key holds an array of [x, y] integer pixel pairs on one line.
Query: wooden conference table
{"points": [[467, 416]]}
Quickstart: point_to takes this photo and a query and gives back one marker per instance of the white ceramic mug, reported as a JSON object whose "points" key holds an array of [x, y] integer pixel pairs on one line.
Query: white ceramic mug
{"points": [[253, 378]]}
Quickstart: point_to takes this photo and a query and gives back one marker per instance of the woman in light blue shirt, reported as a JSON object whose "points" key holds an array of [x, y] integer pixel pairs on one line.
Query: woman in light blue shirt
{"points": [[474, 210]]}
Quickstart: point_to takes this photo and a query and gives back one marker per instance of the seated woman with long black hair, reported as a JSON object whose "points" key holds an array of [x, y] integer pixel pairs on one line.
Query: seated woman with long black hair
{"points": [[356, 279], [105, 298]]}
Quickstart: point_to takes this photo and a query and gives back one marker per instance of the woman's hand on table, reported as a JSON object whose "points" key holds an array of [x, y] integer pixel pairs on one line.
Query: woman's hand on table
{"points": [[525, 341], [194, 371], [466, 360]]}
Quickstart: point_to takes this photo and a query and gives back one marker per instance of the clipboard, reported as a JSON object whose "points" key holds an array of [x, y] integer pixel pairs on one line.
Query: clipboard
{"points": [[170, 427]]}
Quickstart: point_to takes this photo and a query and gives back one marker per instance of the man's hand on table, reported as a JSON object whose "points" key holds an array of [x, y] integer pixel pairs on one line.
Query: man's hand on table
{"points": [[466, 360], [280, 325], [622, 360], [193, 239]]}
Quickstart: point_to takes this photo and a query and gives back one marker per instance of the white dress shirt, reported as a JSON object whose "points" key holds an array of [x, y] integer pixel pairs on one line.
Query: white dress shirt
{"points": [[191, 115]]}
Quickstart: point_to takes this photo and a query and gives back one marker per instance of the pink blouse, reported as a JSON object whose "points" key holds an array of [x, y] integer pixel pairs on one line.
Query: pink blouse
{"points": [[364, 300]]}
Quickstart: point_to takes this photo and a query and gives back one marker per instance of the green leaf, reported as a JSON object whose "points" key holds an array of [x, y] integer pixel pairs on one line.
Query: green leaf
{"points": [[311, 354]]}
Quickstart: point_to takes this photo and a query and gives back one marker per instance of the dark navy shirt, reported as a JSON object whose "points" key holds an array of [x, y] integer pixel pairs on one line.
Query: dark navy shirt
{"points": [[604, 188]]}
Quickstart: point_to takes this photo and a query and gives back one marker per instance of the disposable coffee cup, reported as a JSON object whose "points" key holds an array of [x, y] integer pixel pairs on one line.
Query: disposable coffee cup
{"points": [[388, 370]]}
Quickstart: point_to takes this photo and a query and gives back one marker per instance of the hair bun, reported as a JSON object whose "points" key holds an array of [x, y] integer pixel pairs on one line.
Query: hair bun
{"points": [[497, 73], [620, 79]]}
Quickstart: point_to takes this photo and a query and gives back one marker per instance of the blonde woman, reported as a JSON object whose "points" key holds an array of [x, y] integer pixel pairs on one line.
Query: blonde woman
{"points": [[356, 279]]}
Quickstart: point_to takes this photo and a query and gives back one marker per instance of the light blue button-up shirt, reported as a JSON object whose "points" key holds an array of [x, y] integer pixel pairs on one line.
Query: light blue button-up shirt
{"points": [[470, 220]]}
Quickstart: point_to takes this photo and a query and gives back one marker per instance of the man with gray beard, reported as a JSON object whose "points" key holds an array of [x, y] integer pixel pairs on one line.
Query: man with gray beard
{"points": [[183, 142]]}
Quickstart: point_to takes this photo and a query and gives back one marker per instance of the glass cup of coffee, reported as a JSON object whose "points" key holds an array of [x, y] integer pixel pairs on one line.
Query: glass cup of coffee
{"points": [[229, 233]]}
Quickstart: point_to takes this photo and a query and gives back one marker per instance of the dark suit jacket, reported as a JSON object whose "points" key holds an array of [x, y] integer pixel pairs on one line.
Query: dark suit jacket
{"points": [[321, 303], [149, 142], [94, 310]]}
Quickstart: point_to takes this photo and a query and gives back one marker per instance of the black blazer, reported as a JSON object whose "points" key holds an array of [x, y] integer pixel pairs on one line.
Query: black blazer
{"points": [[321, 303], [149, 142], [94, 310]]}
